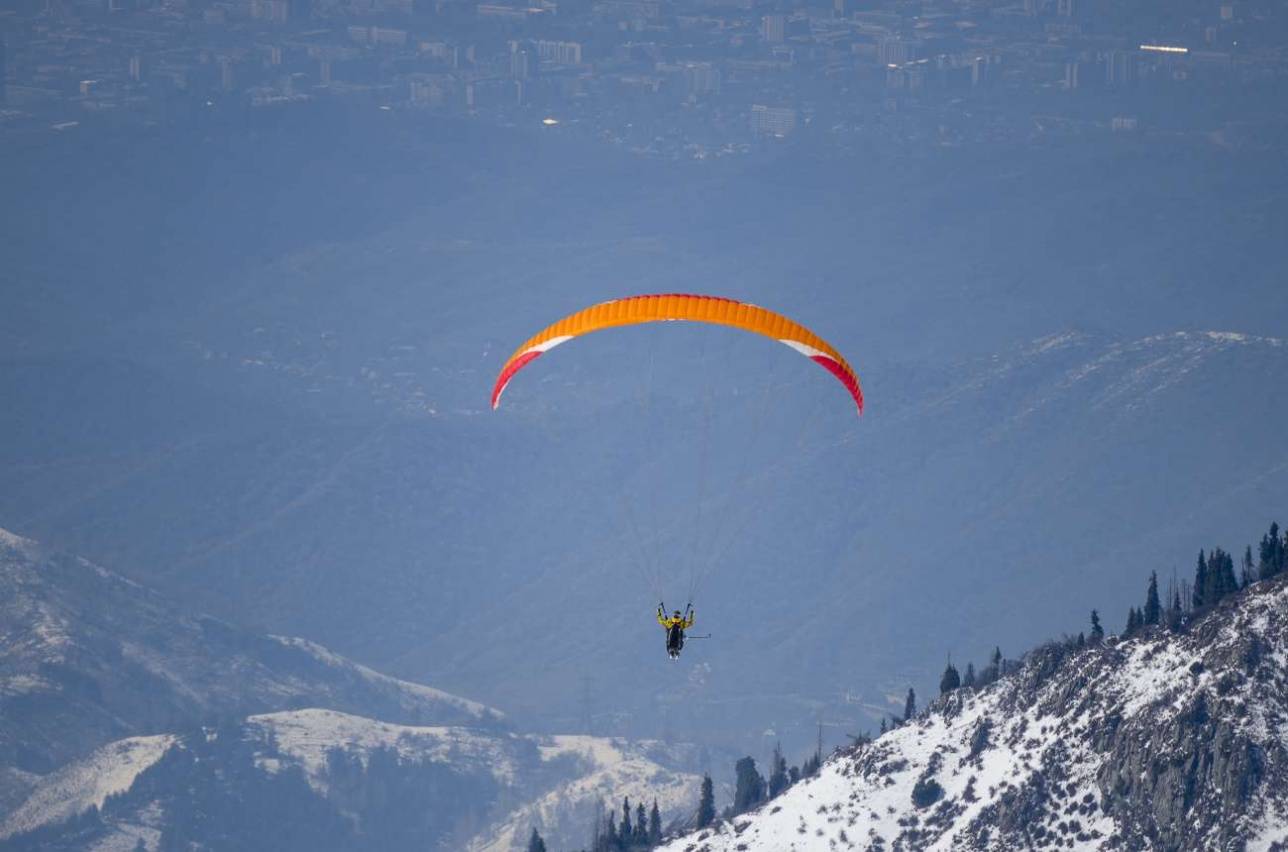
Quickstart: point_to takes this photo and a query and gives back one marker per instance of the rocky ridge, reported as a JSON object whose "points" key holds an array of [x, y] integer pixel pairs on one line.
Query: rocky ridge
{"points": [[1160, 741]]}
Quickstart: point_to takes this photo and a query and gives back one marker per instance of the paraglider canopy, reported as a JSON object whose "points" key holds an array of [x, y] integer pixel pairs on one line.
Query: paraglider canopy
{"points": [[671, 307]]}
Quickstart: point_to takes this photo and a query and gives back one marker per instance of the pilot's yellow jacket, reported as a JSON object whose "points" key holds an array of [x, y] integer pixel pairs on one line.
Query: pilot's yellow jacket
{"points": [[669, 621]]}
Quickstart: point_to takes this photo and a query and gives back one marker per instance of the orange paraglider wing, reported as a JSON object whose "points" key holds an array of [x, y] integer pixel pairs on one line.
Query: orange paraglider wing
{"points": [[680, 306]]}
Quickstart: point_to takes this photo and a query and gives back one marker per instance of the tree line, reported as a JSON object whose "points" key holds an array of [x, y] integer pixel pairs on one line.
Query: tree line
{"points": [[1215, 578], [635, 830]]}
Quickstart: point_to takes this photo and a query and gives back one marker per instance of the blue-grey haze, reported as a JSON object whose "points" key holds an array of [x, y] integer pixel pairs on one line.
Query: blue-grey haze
{"points": [[249, 363]]}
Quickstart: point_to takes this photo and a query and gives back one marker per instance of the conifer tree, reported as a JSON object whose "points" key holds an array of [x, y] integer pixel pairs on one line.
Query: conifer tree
{"points": [[1274, 553], [778, 781], [1097, 632], [1175, 612], [950, 680], [998, 662], [910, 706], [968, 680], [1265, 570], [884, 726], [535, 843], [625, 832], [793, 775], [749, 786], [1153, 613], [706, 803], [1133, 621], [1247, 574], [654, 824], [1219, 576], [1201, 582], [1281, 549], [641, 823]]}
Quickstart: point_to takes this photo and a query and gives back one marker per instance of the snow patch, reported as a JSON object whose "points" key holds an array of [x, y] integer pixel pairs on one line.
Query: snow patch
{"points": [[22, 684], [12, 541], [616, 770], [1056, 341], [307, 735], [87, 783]]}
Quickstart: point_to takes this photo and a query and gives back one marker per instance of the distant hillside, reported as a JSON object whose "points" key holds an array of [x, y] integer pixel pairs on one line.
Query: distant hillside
{"points": [[87, 657], [324, 780], [1162, 741], [124, 720]]}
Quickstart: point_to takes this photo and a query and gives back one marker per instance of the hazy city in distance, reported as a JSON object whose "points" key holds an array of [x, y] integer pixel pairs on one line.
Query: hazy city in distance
{"points": [[262, 260], [681, 80]]}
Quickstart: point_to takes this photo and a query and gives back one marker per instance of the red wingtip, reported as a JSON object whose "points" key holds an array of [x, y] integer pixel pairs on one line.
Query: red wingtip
{"points": [[507, 373], [851, 383]]}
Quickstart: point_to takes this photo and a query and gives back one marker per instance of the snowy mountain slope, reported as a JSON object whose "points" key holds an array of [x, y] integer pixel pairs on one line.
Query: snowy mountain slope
{"points": [[575, 775], [394, 786], [86, 783], [87, 657], [305, 737], [610, 770], [1162, 741]]}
